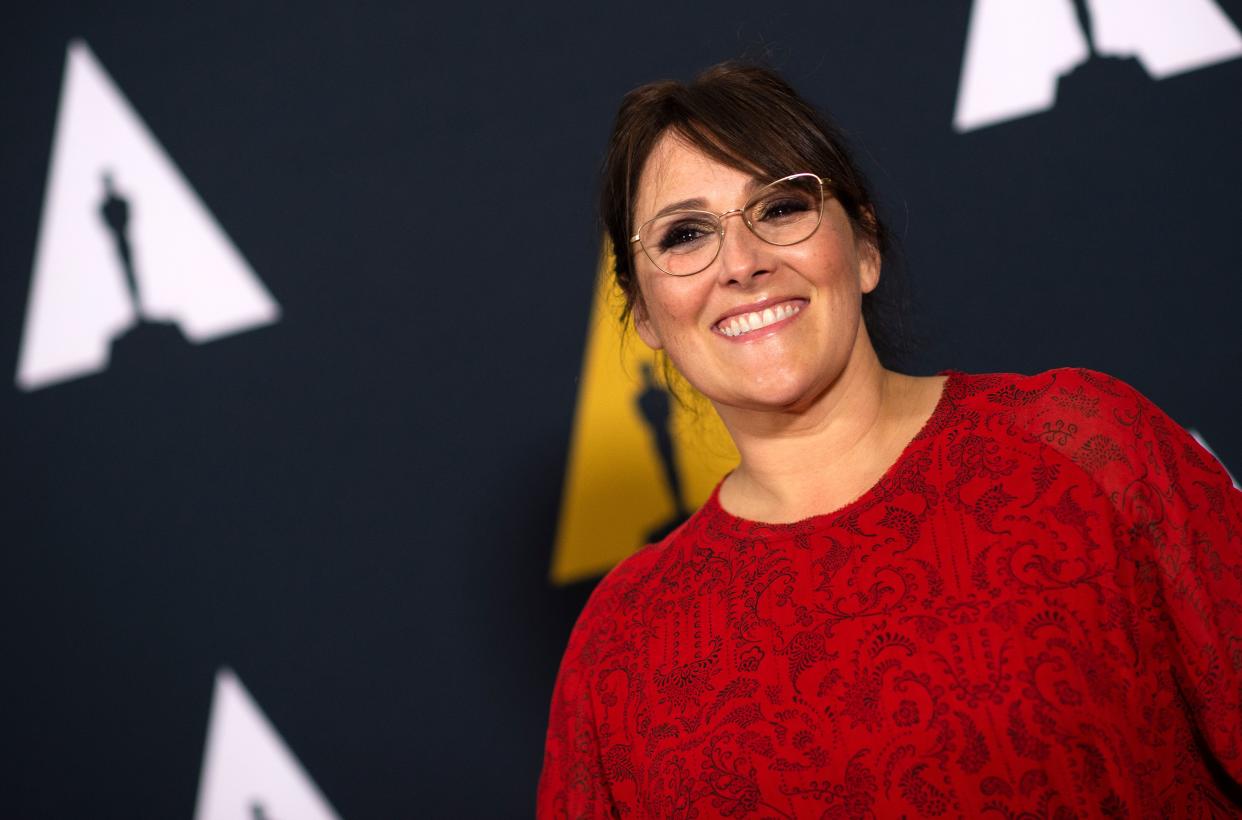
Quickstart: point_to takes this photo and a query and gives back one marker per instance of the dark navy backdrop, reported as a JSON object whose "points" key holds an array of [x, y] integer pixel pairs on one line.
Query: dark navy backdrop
{"points": [[355, 507]]}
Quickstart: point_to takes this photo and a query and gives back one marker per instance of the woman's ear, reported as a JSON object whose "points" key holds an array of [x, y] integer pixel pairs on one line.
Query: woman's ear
{"points": [[869, 259], [869, 264], [642, 324]]}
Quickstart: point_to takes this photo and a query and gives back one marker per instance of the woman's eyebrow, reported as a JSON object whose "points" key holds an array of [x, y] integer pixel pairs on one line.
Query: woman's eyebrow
{"points": [[699, 204], [695, 204]]}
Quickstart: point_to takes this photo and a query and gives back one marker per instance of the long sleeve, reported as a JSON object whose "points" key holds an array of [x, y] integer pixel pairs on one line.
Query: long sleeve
{"points": [[1181, 516], [573, 783]]}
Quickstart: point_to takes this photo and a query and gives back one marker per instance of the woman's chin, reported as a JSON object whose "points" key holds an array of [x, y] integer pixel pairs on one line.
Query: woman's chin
{"points": [[776, 396]]}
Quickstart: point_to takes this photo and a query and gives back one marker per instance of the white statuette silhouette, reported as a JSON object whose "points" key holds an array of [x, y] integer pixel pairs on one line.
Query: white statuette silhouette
{"points": [[1016, 50], [187, 271]]}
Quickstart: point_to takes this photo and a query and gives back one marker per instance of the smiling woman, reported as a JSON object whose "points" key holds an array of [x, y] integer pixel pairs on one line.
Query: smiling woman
{"points": [[946, 595]]}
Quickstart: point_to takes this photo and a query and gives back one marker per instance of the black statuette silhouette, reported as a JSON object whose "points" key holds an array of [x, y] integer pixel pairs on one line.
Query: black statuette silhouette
{"points": [[655, 406], [1084, 22], [1100, 82], [147, 343], [115, 212]]}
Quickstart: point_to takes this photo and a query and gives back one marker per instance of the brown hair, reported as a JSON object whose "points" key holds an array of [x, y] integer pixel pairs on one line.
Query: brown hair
{"points": [[747, 117]]}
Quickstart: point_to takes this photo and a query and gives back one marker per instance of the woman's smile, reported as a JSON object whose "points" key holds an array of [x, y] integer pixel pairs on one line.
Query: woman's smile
{"points": [[744, 323]]}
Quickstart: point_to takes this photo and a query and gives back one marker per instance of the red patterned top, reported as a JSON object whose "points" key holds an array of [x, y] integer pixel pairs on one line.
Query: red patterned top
{"points": [[1037, 612]]}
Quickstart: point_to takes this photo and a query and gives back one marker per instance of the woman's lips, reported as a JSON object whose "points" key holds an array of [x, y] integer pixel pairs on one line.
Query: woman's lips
{"points": [[741, 324]]}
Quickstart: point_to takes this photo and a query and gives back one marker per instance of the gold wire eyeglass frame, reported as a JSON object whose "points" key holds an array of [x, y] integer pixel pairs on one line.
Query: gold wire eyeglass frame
{"points": [[744, 211]]}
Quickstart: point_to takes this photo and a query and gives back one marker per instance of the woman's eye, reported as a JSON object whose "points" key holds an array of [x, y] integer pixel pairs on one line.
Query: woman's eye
{"points": [[683, 235], [781, 208]]}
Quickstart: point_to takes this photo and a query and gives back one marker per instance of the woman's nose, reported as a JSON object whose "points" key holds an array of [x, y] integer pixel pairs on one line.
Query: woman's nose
{"points": [[743, 255]]}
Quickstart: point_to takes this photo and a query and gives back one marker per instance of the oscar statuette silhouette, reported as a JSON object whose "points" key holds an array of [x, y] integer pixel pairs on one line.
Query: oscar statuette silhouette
{"points": [[146, 342], [655, 407], [1099, 79]]}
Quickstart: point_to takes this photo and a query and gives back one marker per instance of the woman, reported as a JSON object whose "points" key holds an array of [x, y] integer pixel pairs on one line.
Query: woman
{"points": [[946, 596]]}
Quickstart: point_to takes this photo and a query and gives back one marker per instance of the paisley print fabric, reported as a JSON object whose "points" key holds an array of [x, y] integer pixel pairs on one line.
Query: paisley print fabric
{"points": [[1037, 612]]}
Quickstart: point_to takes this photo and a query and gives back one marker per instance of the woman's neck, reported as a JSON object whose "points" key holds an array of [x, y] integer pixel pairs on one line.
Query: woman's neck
{"points": [[817, 459]]}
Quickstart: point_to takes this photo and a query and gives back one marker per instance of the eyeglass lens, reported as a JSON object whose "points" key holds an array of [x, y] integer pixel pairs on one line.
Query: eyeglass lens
{"points": [[783, 213]]}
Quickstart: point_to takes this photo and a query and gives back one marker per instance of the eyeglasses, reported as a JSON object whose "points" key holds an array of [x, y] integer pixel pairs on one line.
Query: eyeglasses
{"points": [[785, 212]]}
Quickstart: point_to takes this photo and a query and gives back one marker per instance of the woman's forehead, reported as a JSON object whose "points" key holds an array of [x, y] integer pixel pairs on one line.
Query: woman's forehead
{"points": [[677, 171]]}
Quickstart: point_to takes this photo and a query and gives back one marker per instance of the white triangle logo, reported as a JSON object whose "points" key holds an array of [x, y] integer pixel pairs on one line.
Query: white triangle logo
{"points": [[1016, 50], [248, 771], [123, 240]]}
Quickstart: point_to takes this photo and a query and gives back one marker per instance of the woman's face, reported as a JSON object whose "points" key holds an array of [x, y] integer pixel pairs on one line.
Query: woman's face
{"points": [[782, 365]]}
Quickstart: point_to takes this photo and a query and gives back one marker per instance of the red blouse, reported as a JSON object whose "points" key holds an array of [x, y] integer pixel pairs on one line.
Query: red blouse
{"points": [[1037, 612]]}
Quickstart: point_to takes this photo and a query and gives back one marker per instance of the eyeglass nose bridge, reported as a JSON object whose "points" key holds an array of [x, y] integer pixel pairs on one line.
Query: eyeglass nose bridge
{"points": [[720, 219], [720, 231]]}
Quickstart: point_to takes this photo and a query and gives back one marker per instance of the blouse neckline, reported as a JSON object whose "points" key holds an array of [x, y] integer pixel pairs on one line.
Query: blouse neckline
{"points": [[713, 509]]}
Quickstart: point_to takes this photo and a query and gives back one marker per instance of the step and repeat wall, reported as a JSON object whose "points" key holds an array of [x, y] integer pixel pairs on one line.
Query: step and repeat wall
{"points": [[319, 428]]}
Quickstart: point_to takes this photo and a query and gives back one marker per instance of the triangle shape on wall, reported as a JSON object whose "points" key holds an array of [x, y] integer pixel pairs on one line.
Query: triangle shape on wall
{"points": [[123, 240], [640, 461], [248, 771]]}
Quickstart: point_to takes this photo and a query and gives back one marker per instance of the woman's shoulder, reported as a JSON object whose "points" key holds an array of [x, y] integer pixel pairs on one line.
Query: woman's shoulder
{"points": [[1062, 387], [1088, 399], [1098, 422]]}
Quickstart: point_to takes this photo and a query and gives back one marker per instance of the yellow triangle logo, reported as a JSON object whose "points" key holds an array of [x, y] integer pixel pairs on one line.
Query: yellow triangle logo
{"points": [[639, 461]]}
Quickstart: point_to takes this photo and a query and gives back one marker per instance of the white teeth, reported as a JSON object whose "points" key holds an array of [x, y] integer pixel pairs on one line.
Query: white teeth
{"points": [[737, 325]]}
